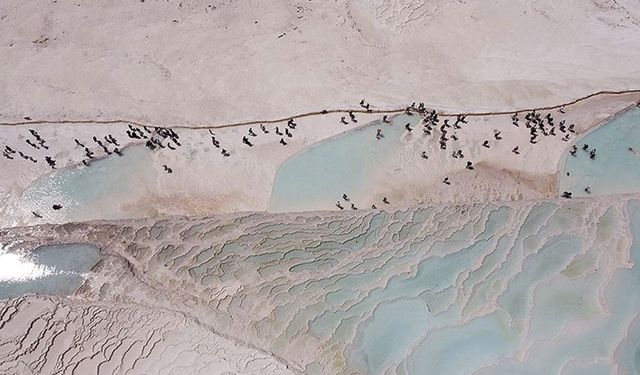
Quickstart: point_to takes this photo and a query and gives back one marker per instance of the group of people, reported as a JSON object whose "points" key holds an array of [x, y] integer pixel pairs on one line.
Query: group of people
{"points": [[288, 132], [585, 147], [352, 117], [353, 206], [38, 144], [108, 140], [158, 138], [546, 126], [446, 130], [216, 143], [573, 151], [537, 124]]}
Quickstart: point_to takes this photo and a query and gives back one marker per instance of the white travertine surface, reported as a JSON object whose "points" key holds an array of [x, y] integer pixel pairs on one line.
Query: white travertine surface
{"points": [[220, 61], [526, 287]]}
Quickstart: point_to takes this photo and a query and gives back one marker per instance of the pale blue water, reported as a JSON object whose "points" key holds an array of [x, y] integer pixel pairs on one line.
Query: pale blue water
{"points": [[92, 192], [600, 338], [316, 177], [461, 350], [615, 170], [386, 338], [412, 324], [66, 265]]}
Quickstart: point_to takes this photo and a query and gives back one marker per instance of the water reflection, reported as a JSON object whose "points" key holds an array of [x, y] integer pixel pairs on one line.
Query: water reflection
{"points": [[52, 269]]}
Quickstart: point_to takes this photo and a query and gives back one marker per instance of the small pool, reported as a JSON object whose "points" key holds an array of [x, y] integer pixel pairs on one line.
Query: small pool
{"points": [[97, 191], [316, 177], [616, 167], [52, 269]]}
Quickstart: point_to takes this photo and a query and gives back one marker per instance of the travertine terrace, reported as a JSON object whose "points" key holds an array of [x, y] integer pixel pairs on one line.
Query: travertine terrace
{"points": [[308, 288]]}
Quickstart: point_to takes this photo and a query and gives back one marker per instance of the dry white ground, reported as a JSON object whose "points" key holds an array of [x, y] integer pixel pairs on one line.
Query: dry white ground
{"points": [[219, 61]]}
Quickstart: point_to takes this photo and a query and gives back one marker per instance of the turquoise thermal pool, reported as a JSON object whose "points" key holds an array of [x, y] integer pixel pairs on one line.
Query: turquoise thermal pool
{"points": [[616, 167], [316, 177], [95, 191], [51, 269]]}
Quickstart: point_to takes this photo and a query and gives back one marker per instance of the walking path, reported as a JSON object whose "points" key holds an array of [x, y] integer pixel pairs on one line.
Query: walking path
{"points": [[316, 113]]}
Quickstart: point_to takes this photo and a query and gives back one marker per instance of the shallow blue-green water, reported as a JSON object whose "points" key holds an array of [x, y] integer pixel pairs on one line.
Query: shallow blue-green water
{"points": [[548, 294], [51, 269], [316, 177], [91, 192], [616, 168]]}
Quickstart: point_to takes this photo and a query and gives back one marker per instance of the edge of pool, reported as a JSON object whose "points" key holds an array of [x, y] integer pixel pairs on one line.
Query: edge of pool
{"points": [[316, 144], [563, 157]]}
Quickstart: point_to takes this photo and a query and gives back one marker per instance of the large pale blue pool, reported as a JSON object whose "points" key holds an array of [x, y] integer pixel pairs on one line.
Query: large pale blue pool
{"points": [[97, 191], [616, 167], [316, 177]]}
